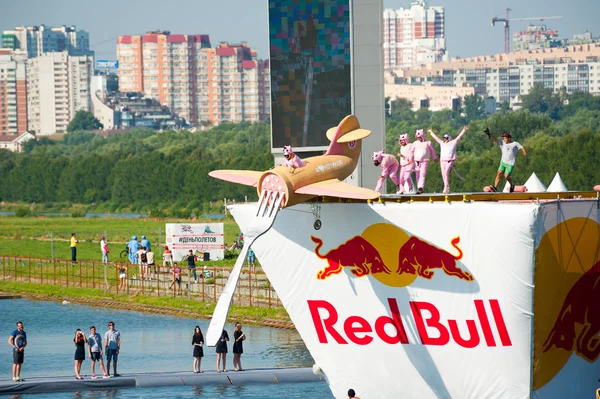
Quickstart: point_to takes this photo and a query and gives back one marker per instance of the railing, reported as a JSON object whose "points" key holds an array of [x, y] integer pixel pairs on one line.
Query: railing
{"points": [[253, 288]]}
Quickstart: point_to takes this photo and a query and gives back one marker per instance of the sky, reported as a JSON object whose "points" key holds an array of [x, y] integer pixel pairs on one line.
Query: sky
{"points": [[468, 29]]}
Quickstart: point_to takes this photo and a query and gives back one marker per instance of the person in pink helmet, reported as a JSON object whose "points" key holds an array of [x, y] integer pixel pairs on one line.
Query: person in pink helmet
{"points": [[389, 166], [407, 165], [423, 153], [447, 154], [291, 159]]}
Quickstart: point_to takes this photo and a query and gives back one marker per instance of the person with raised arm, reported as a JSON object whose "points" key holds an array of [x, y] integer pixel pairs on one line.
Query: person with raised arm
{"points": [[447, 154], [509, 150]]}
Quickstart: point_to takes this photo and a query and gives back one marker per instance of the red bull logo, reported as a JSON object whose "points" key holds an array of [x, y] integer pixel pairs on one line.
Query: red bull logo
{"points": [[391, 256], [577, 312], [567, 280], [431, 327]]}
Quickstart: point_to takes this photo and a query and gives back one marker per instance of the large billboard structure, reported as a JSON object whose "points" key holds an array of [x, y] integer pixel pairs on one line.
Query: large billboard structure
{"points": [[460, 299], [326, 63]]}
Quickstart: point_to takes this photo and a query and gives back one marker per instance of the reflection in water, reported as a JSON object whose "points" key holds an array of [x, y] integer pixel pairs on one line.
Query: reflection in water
{"points": [[266, 391]]}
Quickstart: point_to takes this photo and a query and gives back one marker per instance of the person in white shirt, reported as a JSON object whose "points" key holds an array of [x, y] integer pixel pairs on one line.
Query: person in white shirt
{"points": [[509, 150], [447, 154]]}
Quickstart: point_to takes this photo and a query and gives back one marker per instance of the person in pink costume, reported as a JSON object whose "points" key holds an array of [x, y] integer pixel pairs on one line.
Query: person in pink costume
{"points": [[407, 165], [389, 166], [447, 154], [423, 153], [292, 160]]}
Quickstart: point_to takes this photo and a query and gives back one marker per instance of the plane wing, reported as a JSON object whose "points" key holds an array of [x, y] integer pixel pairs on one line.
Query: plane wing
{"points": [[245, 177], [337, 188]]}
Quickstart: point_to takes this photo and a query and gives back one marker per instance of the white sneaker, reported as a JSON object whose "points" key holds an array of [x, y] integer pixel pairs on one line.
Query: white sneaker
{"points": [[399, 192]]}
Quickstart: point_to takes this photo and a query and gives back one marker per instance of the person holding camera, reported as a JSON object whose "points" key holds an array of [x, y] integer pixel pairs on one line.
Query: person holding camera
{"points": [[80, 341]]}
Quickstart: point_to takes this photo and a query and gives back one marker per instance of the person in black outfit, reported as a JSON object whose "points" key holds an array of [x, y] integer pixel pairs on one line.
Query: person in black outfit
{"points": [[198, 341], [191, 259], [222, 350], [80, 341], [238, 347]]}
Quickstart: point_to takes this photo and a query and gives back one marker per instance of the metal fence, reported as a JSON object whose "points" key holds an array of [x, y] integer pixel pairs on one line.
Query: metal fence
{"points": [[253, 288]]}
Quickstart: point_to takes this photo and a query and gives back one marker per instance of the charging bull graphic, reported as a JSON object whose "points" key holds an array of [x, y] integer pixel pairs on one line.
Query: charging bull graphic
{"points": [[356, 253], [578, 309], [407, 256], [417, 256]]}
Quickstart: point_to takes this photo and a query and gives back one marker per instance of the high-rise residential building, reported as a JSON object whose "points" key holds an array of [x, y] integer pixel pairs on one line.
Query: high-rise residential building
{"points": [[37, 40], [199, 83], [13, 93], [58, 85], [535, 37], [413, 36]]}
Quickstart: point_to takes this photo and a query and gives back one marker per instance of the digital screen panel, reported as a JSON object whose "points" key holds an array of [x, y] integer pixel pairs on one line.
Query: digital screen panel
{"points": [[310, 69]]}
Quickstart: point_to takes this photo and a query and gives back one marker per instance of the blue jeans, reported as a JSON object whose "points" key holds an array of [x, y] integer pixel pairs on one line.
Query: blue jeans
{"points": [[193, 268], [74, 254]]}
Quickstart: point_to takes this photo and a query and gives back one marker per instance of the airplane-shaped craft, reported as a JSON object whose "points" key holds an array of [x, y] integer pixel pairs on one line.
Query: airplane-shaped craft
{"points": [[323, 175]]}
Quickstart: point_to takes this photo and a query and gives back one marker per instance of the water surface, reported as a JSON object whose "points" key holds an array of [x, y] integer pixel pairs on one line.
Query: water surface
{"points": [[149, 343]]}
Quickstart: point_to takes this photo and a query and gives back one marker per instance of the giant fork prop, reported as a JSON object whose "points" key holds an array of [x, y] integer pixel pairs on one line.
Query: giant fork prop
{"points": [[267, 209]]}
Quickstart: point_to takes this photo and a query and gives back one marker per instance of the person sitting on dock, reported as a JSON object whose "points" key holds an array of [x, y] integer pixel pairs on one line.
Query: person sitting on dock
{"points": [[509, 150], [407, 164], [389, 166], [423, 152], [448, 155]]}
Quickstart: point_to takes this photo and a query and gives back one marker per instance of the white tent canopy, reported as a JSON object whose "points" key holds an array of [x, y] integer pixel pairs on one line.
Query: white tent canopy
{"points": [[557, 185], [534, 184]]}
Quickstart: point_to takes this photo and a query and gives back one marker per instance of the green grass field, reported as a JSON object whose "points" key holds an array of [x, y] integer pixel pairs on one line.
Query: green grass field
{"points": [[35, 236], [253, 313]]}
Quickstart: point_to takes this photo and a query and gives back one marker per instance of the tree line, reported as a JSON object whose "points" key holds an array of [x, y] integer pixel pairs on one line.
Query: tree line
{"points": [[167, 172]]}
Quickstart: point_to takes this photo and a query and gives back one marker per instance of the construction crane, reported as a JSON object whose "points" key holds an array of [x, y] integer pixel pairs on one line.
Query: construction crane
{"points": [[507, 26]]}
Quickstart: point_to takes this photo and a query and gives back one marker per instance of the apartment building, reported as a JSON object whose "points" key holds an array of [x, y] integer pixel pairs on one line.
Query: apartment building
{"points": [[506, 76], [199, 83], [413, 36], [58, 85], [37, 40], [535, 37], [13, 93]]}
